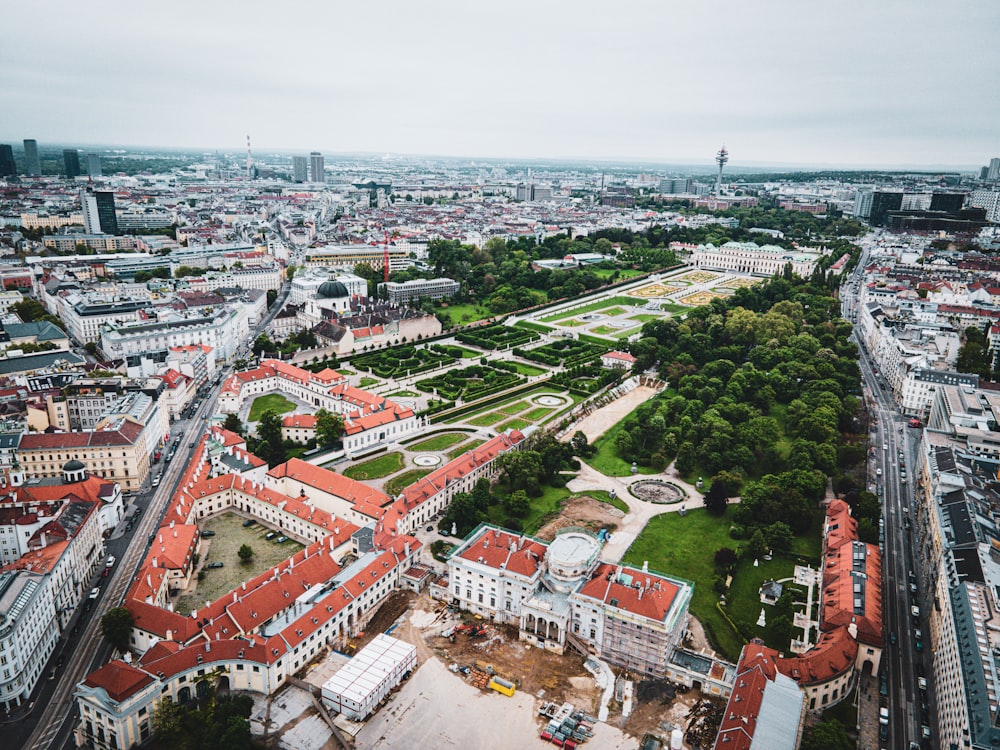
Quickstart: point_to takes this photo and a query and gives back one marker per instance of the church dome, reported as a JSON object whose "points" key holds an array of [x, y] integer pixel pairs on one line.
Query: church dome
{"points": [[331, 290], [74, 465]]}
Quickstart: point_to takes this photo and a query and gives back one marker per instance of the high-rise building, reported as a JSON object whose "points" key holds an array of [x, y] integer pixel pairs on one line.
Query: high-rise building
{"points": [[71, 158], [989, 200], [863, 203], [99, 215], [950, 202], [7, 166], [300, 169], [317, 167], [676, 185], [882, 204], [721, 159], [93, 165], [993, 172], [32, 164]]}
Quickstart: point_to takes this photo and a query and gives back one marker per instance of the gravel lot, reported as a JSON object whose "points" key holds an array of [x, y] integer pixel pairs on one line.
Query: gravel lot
{"points": [[437, 709]]}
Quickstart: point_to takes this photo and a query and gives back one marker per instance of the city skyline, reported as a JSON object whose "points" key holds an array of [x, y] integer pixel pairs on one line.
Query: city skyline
{"points": [[852, 86]]}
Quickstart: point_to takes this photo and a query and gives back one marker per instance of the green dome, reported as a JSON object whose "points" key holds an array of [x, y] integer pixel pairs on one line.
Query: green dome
{"points": [[332, 290]]}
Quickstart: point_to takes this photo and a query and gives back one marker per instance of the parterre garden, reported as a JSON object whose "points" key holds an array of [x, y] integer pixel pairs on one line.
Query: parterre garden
{"points": [[498, 337], [472, 382], [567, 352], [404, 360]]}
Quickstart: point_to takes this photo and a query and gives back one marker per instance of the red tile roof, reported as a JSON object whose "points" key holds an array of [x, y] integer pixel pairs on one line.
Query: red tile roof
{"points": [[495, 547], [119, 680], [330, 482], [739, 722], [832, 656], [644, 594]]}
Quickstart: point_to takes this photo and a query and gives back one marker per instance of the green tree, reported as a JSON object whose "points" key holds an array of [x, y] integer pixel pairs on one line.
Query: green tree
{"points": [[233, 424], [517, 503], [726, 558], [779, 537], [827, 735], [116, 627], [290, 272], [781, 630], [329, 428], [757, 546], [168, 722], [521, 469], [245, 552], [263, 344], [716, 500], [272, 295], [270, 445], [91, 348]]}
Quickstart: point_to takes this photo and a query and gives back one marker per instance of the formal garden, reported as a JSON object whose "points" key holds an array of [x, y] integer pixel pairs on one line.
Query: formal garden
{"points": [[498, 337], [565, 353], [472, 382], [406, 359], [604, 306]]}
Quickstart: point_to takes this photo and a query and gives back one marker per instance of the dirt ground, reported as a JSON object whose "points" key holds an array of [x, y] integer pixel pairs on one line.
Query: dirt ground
{"points": [[596, 424], [392, 608], [585, 512]]}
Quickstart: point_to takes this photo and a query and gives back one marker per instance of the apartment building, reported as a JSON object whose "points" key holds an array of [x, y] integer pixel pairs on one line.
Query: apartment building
{"points": [[348, 256], [223, 330], [86, 314], [416, 289], [28, 633], [117, 452]]}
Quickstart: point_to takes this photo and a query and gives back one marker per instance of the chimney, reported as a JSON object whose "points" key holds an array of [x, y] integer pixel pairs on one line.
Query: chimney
{"points": [[155, 565], [645, 566], [170, 635], [208, 645], [406, 549], [171, 524], [149, 580]]}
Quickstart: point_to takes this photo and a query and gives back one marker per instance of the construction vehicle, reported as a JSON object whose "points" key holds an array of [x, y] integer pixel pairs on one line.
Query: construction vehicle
{"points": [[474, 631]]}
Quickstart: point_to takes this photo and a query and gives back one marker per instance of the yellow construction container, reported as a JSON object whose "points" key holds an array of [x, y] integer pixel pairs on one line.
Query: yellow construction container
{"points": [[502, 686]]}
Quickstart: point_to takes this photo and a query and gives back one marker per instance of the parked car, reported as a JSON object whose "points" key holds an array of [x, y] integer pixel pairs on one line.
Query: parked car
{"points": [[883, 715], [111, 561], [215, 565], [208, 532], [281, 540], [249, 522], [94, 593], [915, 611], [270, 535], [925, 732]]}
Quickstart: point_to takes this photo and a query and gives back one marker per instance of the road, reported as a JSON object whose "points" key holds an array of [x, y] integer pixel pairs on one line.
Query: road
{"points": [[82, 649], [895, 445]]}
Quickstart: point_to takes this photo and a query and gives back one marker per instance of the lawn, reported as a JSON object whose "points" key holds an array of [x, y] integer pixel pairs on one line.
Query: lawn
{"points": [[346, 372], [743, 600], [613, 331], [461, 314], [529, 370], [599, 305], [403, 394], [487, 419], [377, 468], [623, 273], [401, 481], [464, 448], [438, 442], [685, 546], [230, 534], [365, 382], [541, 508], [645, 317], [270, 402], [607, 461], [511, 409], [532, 326], [468, 353], [537, 413], [513, 424]]}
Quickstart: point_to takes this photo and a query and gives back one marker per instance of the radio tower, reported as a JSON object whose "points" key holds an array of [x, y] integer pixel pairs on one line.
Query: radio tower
{"points": [[249, 161], [720, 158]]}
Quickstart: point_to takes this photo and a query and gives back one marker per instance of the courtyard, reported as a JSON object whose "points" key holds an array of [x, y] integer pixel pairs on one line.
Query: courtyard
{"points": [[230, 535]]}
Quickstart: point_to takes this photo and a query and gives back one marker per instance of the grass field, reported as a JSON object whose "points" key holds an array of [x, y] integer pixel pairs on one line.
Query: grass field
{"points": [[438, 442], [529, 370], [645, 317], [464, 448], [467, 353], [403, 394], [487, 419], [537, 413], [514, 424], [365, 382], [611, 331], [468, 313], [685, 546], [598, 305], [401, 481], [515, 408], [532, 326], [623, 273], [607, 461], [345, 372], [540, 510], [269, 402], [377, 468]]}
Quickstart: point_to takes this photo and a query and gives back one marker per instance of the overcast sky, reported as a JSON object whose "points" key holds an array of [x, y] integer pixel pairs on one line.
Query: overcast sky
{"points": [[854, 82]]}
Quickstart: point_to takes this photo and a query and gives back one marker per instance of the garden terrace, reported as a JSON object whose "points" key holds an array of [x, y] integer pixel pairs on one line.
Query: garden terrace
{"points": [[567, 352], [401, 361], [470, 382], [498, 337]]}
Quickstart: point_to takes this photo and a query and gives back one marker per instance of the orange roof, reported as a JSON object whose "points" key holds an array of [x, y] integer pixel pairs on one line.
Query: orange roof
{"points": [[739, 722], [495, 547], [306, 421], [173, 548], [651, 600], [119, 680], [41, 560], [330, 482], [832, 655]]}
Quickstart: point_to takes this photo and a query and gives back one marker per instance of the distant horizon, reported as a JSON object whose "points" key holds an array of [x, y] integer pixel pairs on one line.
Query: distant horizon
{"points": [[687, 162]]}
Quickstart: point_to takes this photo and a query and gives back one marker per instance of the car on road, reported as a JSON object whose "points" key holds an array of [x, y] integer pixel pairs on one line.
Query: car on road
{"points": [[883, 715], [94, 593], [925, 732], [111, 561], [892, 638], [885, 446], [915, 611], [878, 472], [922, 683], [215, 565]]}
